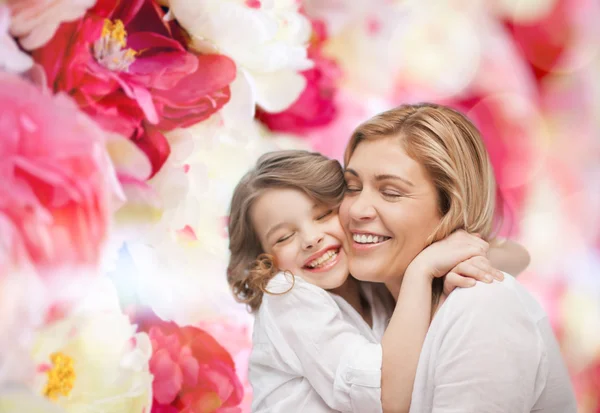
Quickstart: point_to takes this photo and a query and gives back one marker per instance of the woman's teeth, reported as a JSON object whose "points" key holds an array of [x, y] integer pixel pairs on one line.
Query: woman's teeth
{"points": [[323, 259], [368, 239]]}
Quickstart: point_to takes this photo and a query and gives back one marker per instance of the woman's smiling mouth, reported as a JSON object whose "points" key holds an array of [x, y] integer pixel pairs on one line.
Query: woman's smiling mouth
{"points": [[364, 240]]}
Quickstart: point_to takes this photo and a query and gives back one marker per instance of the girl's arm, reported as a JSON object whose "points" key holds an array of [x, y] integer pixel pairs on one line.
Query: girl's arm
{"points": [[508, 256], [404, 337]]}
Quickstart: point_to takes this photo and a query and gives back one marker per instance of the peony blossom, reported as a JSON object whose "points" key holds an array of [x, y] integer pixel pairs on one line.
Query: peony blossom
{"points": [[12, 59], [92, 358], [316, 105], [131, 71], [34, 22], [191, 370], [56, 181], [267, 40]]}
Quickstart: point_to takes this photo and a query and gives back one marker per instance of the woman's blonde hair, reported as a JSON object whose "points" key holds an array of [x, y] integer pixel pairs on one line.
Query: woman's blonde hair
{"points": [[451, 150], [319, 177]]}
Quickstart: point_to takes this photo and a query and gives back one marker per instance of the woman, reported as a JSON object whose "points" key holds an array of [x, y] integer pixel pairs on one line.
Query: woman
{"points": [[415, 174]]}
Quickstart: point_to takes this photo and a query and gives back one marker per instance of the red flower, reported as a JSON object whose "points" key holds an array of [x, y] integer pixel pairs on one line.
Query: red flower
{"points": [[315, 107], [192, 372], [131, 71]]}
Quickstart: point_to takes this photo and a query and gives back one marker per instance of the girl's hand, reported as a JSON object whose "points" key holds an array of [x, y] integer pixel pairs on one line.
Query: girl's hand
{"points": [[466, 274], [446, 255]]}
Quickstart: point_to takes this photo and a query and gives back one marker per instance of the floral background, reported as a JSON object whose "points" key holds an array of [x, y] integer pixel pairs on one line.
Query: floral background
{"points": [[125, 125]]}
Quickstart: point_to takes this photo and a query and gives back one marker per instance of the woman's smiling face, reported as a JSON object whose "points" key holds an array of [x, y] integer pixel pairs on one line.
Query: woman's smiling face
{"points": [[389, 211]]}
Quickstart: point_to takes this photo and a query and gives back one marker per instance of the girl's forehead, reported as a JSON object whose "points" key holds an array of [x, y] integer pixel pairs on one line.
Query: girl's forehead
{"points": [[282, 205]]}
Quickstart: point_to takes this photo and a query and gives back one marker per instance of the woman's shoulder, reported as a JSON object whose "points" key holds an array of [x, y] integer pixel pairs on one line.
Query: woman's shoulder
{"points": [[506, 300]]}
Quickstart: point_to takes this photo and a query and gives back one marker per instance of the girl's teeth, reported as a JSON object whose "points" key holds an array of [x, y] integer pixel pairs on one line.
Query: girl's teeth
{"points": [[368, 239], [328, 256]]}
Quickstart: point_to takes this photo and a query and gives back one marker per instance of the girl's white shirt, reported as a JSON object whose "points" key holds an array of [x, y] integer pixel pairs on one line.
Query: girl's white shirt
{"points": [[313, 352]]}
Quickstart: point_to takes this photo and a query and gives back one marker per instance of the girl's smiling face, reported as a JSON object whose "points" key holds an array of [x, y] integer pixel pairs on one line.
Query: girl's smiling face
{"points": [[305, 237]]}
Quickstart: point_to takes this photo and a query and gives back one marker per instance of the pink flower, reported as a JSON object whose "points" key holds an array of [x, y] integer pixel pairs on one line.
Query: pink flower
{"points": [[237, 340], [131, 71], [316, 105], [55, 180], [35, 21], [192, 372]]}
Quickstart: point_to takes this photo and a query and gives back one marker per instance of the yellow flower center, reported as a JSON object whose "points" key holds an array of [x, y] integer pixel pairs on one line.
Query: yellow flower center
{"points": [[115, 31], [110, 50], [61, 377]]}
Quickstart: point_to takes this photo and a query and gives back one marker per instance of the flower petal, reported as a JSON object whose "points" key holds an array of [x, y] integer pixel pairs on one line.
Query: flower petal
{"points": [[155, 146], [276, 92]]}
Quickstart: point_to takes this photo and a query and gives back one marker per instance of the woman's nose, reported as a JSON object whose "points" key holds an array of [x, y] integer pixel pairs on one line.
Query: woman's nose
{"points": [[362, 208]]}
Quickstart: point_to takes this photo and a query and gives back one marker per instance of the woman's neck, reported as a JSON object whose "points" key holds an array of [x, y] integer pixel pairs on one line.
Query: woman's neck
{"points": [[394, 286], [350, 291]]}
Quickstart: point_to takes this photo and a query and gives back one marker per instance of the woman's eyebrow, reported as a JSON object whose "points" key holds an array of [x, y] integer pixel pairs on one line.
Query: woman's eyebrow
{"points": [[383, 177]]}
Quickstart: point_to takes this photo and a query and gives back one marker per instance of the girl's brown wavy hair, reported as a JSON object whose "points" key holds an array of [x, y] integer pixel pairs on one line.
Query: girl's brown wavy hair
{"points": [[320, 178]]}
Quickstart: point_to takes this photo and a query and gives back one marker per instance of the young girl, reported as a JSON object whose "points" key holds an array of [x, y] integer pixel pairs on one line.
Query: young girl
{"points": [[316, 350]]}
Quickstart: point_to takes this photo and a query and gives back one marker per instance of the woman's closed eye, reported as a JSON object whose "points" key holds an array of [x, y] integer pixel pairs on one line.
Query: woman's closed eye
{"points": [[392, 193], [352, 189]]}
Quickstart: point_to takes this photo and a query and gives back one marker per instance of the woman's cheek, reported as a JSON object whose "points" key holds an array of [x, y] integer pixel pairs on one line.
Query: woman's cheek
{"points": [[343, 214]]}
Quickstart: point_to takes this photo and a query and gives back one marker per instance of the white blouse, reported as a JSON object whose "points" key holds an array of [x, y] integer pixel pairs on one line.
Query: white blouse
{"points": [[490, 349], [312, 352]]}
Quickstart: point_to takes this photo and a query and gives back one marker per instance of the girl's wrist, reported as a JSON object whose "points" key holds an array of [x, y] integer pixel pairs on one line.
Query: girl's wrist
{"points": [[417, 270]]}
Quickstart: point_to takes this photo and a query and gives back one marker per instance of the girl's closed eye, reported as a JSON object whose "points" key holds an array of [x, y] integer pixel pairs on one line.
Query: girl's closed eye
{"points": [[284, 238], [325, 215]]}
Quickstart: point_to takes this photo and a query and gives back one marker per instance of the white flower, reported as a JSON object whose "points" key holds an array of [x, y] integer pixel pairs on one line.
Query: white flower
{"points": [[22, 400], [35, 21], [93, 359], [268, 43], [12, 59], [23, 303]]}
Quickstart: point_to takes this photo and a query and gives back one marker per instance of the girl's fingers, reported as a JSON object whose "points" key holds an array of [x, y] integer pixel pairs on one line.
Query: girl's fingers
{"points": [[484, 264], [467, 269], [454, 280]]}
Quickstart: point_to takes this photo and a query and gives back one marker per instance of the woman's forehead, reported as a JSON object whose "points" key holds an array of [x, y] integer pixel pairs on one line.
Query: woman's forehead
{"points": [[384, 156]]}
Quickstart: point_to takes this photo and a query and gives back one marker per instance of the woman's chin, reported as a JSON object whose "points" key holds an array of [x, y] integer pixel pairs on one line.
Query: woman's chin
{"points": [[366, 271]]}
